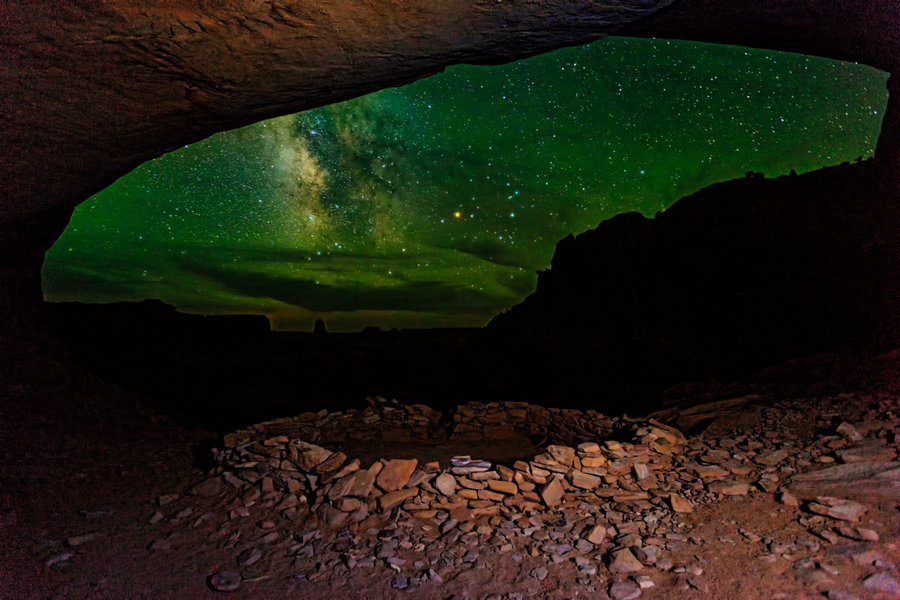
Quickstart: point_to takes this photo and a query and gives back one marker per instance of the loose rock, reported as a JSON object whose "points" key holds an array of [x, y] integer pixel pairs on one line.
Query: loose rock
{"points": [[836, 508], [225, 581], [624, 590], [208, 488], [395, 474], [883, 583], [680, 504], [552, 492], [623, 561]]}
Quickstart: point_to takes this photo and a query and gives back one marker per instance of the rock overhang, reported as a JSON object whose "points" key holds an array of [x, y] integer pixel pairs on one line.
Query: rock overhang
{"points": [[91, 91]]}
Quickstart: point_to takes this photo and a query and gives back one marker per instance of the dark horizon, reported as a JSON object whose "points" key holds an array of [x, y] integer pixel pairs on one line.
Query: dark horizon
{"points": [[136, 303]]}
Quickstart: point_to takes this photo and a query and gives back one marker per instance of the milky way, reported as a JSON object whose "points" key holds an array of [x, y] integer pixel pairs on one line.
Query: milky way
{"points": [[436, 203]]}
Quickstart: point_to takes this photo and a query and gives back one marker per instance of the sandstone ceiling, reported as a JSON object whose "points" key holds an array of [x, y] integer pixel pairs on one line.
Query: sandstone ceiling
{"points": [[90, 90]]}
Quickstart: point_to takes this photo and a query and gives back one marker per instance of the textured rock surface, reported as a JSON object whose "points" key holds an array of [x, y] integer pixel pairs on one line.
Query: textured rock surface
{"points": [[101, 88], [878, 480], [834, 28], [164, 77]]}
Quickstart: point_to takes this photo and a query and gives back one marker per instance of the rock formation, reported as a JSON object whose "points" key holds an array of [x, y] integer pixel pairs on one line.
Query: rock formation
{"points": [[151, 326], [319, 329], [738, 276], [88, 91]]}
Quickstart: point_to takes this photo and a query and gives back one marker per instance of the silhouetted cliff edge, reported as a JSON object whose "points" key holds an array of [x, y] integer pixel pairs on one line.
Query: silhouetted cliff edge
{"points": [[738, 276]]}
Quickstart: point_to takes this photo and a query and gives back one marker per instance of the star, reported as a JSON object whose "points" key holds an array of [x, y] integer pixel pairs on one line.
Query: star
{"points": [[341, 212]]}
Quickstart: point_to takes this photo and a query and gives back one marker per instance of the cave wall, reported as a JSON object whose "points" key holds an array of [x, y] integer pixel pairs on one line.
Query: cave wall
{"points": [[89, 90]]}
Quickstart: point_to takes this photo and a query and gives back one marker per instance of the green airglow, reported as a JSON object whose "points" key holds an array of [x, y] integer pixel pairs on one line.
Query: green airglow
{"points": [[435, 204]]}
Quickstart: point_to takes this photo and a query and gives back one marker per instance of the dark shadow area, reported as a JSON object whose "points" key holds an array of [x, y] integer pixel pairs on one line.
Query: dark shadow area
{"points": [[221, 373], [632, 316], [740, 276]]}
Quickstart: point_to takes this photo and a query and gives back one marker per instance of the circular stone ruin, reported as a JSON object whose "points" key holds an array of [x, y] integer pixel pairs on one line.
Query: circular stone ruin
{"points": [[329, 463], [310, 495]]}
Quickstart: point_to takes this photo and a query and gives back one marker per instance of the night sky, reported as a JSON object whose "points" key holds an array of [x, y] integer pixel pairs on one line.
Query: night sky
{"points": [[435, 204]]}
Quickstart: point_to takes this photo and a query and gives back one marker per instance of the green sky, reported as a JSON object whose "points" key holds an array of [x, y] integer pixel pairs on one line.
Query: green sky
{"points": [[435, 204]]}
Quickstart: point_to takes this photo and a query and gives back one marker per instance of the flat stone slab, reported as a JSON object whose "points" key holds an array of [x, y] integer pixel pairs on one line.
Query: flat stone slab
{"points": [[729, 487], [870, 452], [772, 458], [871, 482], [838, 508]]}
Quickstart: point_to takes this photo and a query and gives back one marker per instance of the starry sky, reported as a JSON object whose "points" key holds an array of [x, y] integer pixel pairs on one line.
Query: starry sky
{"points": [[433, 205]]}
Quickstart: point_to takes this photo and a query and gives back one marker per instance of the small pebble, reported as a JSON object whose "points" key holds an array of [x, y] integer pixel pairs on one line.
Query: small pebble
{"points": [[58, 560], [82, 539], [225, 581]]}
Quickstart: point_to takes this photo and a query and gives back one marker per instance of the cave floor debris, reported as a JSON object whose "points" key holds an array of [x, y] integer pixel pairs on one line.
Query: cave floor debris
{"points": [[786, 497]]}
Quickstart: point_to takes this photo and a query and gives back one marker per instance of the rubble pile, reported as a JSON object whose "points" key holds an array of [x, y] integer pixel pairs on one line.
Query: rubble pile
{"points": [[476, 420], [389, 420], [612, 510]]}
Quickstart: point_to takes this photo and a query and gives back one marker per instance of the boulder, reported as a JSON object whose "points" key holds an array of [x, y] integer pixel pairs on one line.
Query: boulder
{"points": [[870, 482]]}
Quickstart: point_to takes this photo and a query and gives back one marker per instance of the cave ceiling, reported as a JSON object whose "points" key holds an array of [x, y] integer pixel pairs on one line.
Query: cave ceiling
{"points": [[89, 90]]}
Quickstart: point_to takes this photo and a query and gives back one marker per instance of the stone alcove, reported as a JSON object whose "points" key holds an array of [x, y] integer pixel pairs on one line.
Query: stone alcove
{"points": [[91, 91]]}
